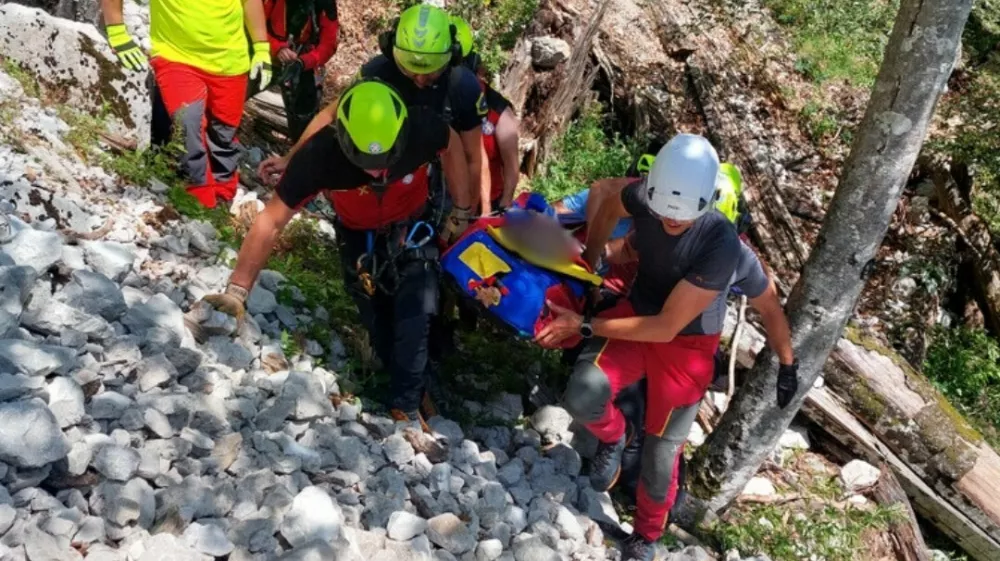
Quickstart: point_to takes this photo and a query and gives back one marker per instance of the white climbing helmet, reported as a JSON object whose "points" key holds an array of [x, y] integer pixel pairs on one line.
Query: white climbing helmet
{"points": [[681, 185]]}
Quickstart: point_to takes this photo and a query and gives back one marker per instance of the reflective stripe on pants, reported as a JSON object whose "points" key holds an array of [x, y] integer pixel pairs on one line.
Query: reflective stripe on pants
{"points": [[677, 374], [208, 108]]}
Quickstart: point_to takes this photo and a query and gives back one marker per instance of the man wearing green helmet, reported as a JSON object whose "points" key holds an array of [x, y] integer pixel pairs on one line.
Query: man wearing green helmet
{"points": [[370, 159]]}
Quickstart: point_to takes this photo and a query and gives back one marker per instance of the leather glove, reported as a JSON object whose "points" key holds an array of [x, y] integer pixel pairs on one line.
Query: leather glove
{"points": [[456, 223], [291, 71], [260, 63], [788, 383], [126, 49], [231, 302]]}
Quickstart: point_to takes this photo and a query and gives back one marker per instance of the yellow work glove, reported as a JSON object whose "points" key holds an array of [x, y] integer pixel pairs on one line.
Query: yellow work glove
{"points": [[231, 302], [128, 52], [456, 224], [260, 64]]}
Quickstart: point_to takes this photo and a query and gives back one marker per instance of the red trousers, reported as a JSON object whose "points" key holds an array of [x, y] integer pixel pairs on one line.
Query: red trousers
{"points": [[677, 375], [208, 109]]}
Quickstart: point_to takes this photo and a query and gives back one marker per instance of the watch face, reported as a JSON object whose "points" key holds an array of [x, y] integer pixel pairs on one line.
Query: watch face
{"points": [[586, 330]]}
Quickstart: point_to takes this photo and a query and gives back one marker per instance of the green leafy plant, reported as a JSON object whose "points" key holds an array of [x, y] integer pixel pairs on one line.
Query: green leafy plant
{"points": [[23, 77], [963, 364], [497, 25], [585, 153], [837, 39], [85, 128]]}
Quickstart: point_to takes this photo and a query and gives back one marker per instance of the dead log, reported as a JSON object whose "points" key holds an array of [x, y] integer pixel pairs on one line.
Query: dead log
{"points": [[974, 232], [904, 534], [884, 411]]}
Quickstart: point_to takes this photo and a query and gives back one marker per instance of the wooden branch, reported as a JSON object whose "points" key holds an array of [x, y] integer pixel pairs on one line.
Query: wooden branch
{"points": [[907, 541], [976, 234], [883, 411], [769, 500]]}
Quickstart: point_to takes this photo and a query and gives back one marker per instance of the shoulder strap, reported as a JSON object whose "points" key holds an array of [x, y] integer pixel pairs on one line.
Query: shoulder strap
{"points": [[454, 79]]}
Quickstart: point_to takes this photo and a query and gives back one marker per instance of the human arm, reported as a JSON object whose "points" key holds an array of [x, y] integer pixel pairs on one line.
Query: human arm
{"points": [[260, 240], [485, 183], [685, 303], [620, 251], [113, 12], [254, 20], [456, 172], [609, 210], [472, 144], [772, 315], [507, 137], [269, 169], [327, 47]]}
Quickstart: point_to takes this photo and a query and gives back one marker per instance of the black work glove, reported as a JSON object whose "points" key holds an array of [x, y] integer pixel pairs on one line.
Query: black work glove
{"points": [[788, 383]]}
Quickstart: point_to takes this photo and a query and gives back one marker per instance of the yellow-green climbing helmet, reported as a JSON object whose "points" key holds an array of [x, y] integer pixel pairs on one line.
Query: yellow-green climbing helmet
{"points": [[729, 185], [463, 33], [423, 42], [372, 125]]}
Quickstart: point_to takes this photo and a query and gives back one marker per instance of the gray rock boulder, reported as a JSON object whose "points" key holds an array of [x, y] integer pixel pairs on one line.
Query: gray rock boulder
{"points": [[54, 317], [208, 539], [313, 516], [66, 401], [448, 532], [117, 463], [15, 287], [261, 301], [110, 259], [94, 293], [404, 526], [533, 549], [29, 434], [157, 312], [32, 248], [154, 371], [85, 70], [549, 52], [34, 359]]}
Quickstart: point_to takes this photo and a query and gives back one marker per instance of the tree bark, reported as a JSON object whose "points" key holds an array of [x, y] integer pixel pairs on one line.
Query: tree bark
{"points": [[976, 235], [914, 72], [883, 411], [905, 537]]}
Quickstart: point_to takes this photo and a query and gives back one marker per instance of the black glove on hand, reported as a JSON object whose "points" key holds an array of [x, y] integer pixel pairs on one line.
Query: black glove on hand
{"points": [[788, 383]]}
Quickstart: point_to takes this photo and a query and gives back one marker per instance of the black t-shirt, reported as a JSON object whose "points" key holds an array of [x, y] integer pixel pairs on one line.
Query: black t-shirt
{"points": [[468, 103], [320, 164], [705, 255], [495, 101]]}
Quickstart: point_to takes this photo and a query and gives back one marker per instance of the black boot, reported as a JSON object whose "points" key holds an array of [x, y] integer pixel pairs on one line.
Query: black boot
{"points": [[606, 466], [638, 548]]}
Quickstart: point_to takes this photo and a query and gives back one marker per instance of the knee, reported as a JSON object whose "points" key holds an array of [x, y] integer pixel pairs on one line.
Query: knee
{"points": [[659, 456], [587, 393]]}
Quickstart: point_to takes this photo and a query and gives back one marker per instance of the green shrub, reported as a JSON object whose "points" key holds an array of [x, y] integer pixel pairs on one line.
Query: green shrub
{"points": [[963, 364], [837, 39], [497, 24], [585, 153]]}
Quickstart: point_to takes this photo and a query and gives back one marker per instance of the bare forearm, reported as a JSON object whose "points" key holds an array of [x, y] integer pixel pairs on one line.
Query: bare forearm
{"points": [[321, 120], [112, 10], [255, 251], [598, 233], [511, 174], [779, 335], [456, 175], [485, 184], [477, 186], [644, 329], [253, 18]]}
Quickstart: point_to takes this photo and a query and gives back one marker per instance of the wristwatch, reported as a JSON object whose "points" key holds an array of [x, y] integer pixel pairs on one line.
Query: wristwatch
{"points": [[586, 330]]}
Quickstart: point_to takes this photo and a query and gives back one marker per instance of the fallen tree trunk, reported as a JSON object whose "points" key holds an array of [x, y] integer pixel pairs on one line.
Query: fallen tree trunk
{"points": [[976, 235], [883, 411], [904, 533]]}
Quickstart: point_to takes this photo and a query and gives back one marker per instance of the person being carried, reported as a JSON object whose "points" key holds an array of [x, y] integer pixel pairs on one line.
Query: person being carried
{"points": [[370, 160], [303, 38], [500, 132], [667, 330], [201, 66], [421, 59]]}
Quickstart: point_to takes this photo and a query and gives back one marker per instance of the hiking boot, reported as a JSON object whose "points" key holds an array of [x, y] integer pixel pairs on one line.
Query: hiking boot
{"points": [[638, 548], [607, 463], [410, 417]]}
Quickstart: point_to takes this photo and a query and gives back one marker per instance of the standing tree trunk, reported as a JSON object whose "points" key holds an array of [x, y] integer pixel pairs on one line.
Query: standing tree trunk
{"points": [[918, 61]]}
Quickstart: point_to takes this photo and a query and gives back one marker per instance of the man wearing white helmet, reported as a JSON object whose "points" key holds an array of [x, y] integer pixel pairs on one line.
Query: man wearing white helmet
{"points": [[666, 331]]}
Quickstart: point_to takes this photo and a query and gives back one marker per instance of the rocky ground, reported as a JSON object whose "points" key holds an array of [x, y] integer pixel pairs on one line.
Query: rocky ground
{"points": [[122, 437]]}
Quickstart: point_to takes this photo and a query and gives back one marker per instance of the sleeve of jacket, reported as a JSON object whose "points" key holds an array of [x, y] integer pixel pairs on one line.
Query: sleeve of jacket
{"points": [[276, 44], [328, 30]]}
